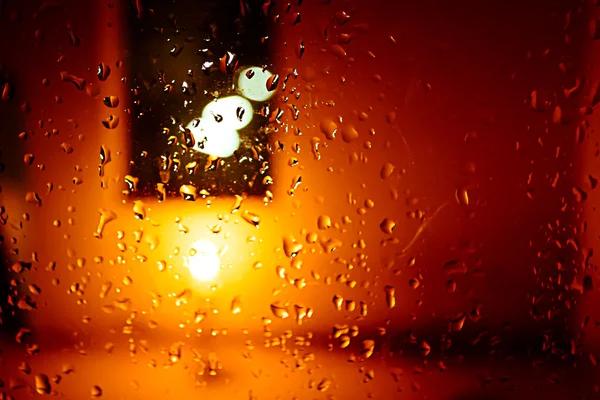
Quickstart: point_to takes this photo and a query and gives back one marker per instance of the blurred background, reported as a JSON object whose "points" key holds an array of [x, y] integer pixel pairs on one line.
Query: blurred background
{"points": [[426, 229]]}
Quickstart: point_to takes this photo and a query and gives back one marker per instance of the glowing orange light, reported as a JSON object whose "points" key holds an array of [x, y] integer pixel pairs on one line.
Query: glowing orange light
{"points": [[204, 261]]}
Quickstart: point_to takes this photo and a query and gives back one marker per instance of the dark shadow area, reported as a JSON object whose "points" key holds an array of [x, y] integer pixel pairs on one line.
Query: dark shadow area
{"points": [[11, 176]]}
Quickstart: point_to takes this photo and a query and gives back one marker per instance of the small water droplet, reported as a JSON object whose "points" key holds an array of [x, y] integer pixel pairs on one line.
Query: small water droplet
{"points": [[42, 384], [328, 128], [251, 218], [390, 296], [272, 82], [387, 226], [111, 122], [236, 305], [291, 247], [33, 198], [237, 203], [73, 38], [106, 216], [28, 159], [75, 80], [386, 170], [103, 71], [111, 101], [280, 310], [96, 391], [349, 134], [139, 210], [462, 197], [324, 222]]}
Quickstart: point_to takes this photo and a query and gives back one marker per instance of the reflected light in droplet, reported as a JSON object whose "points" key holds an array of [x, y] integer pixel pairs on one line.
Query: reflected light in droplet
{"points": [[205, 264]]}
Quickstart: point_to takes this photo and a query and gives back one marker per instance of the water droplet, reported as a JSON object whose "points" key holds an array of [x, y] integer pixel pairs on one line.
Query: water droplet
{"points": [[96, 391], [33, 198], [457, 323], [103, 72], [387, 226], [387, 170], [300, 49], [338, 301], [338, 51], [329, 128], [7, 91], [349, 133], [75, 80], [188, 192], [106, 216], [176, 50], [425, 348], [272, 82], [237, 203], [42, 384], [368, 347], [291, 247], [462, 197], [73, 38], [139, 210], [111, 122], [111, 101], [324, 385], [236, 305], [390, 296], [28, 159], [67, 148], [251, 218], [324, 222], [280, 310]]}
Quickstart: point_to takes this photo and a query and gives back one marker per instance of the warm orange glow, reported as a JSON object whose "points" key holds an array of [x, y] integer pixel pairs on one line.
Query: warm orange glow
{"points": [[203, 261]]}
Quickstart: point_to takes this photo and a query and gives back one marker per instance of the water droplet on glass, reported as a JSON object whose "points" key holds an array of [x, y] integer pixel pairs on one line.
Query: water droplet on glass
{"points": [[236, 305], [103, 71], [280, 310], [111, 101], [387, 226], [324, 222], [338, 301], [390, 296], [28, 159], [291, 247], [106, 216], [33, 198], [42, 384], [387, 170], [111, 122], [272, 82], [237, 203], [368, 347], [75, 80], [349, 133], [96, 391], [462, 197], [73, 38], [329, 128], [251, 218]]}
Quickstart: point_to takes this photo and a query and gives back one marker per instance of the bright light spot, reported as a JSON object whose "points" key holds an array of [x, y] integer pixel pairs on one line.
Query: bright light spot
{"points": [[205, 264], [229, 113], [213, 140], [252, 84]]}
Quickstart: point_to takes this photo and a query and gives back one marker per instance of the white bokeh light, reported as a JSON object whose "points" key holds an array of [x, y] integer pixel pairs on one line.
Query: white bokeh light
{"points": [[252, 84], [214, 139], [206, 263], [230, 113]]}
